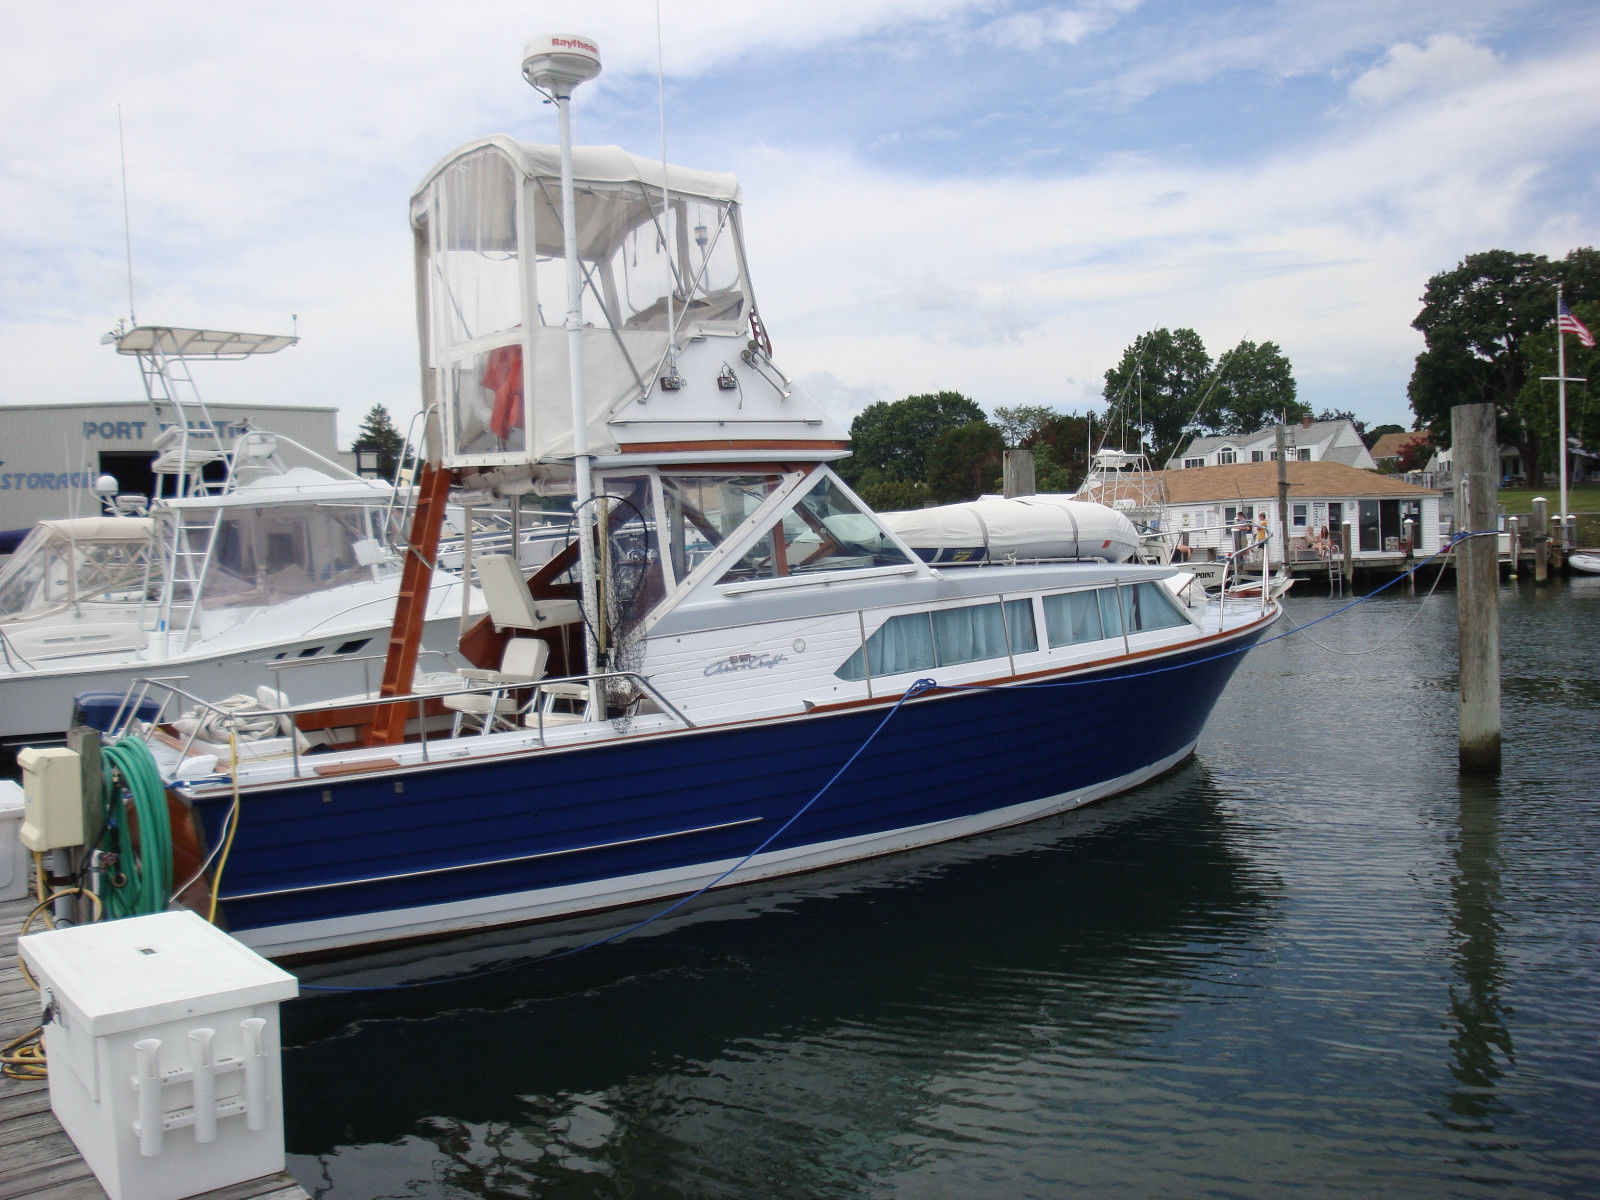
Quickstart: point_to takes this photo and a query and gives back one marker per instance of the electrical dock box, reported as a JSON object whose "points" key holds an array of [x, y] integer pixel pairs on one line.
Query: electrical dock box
{"points": [[15, 861], [162, 1038], [52, 784]]}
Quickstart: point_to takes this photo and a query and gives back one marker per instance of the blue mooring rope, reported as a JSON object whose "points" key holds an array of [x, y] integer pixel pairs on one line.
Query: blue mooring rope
{"points": [[920, 687]]}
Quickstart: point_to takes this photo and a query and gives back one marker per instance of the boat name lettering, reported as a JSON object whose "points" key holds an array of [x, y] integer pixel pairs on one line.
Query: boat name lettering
{"points": [[746, 662]]}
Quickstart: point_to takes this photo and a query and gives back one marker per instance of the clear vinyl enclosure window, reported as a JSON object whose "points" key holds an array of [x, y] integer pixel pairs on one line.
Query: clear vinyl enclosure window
{"points": [[51, 569], [269, 555], [495, 277], [474, 286]]}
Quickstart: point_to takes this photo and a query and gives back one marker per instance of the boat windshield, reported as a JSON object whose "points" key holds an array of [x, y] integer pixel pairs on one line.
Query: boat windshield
{"points": [[825, 530], [68, 562], [263, 556], [702, 510]]}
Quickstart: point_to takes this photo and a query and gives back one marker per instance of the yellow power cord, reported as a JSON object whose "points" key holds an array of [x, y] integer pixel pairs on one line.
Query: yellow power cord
{"points": [[23, 1057]]}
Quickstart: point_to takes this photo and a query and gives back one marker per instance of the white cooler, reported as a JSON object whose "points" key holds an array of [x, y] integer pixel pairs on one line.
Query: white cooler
{"points": [[162, 1038]]}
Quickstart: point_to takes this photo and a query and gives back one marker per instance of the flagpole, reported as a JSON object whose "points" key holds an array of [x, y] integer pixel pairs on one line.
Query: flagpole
{"points": [[1561, 449]]}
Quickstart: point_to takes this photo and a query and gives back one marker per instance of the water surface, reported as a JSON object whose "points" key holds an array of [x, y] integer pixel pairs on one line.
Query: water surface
{"points": [[1313, 960]]}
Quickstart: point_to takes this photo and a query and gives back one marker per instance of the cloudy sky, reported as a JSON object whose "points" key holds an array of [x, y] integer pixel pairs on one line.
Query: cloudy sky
{"points": [[984, 195]]}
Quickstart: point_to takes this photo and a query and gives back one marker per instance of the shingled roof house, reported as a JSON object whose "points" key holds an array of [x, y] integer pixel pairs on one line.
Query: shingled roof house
{"points": [[1309, 441]]}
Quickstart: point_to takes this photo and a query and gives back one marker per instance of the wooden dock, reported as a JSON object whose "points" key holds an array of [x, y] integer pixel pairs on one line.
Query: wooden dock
{"points": [[37, 1159]]}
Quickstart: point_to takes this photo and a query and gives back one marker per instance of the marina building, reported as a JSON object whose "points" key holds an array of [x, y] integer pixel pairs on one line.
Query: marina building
{"points": [[1220, 508], [51, 455]]}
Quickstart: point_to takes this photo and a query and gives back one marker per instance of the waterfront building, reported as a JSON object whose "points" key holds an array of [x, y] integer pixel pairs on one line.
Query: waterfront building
{"points": [[1309, 441], [51, 454]]}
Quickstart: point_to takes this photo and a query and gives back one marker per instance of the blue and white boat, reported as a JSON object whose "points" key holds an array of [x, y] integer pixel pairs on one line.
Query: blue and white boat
{"points": [[674, 699]]}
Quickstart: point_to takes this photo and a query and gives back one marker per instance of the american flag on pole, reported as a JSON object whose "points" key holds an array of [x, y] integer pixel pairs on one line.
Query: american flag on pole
{"points": [[1567, 323]]}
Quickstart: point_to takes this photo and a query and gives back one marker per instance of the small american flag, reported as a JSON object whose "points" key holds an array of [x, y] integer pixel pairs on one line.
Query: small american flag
{"points": [[1567, 323]]}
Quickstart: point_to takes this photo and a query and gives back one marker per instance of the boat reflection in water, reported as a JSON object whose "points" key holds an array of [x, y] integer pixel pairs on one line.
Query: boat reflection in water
{"points": [[848, 1019]]}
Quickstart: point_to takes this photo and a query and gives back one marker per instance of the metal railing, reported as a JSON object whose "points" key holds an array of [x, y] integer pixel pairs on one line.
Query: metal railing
{"points": [[128, 722]]}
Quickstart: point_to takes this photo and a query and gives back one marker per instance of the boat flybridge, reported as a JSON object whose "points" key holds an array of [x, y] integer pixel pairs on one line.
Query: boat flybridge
{"points": [[662, 706], [253, 558]]}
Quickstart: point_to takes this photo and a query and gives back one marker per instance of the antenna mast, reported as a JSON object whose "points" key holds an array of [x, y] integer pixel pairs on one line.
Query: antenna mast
{"points": [[127, 232], [666, 209]]}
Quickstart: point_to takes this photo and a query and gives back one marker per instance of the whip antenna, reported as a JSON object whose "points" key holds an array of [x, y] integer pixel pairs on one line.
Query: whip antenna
{"points": [[666, 209], [127, 232]]}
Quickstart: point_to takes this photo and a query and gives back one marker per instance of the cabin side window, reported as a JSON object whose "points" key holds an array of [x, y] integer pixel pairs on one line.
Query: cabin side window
{"points": [[1071, 618], [1075, 618], [947, 637], [1147, 606]]}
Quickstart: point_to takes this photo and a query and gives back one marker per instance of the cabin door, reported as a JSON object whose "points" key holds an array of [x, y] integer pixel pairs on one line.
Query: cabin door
{"points": [[1371, 527]]}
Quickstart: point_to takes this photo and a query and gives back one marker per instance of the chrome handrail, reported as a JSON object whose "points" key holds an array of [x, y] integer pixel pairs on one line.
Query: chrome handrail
{"points": [[124, 722]]}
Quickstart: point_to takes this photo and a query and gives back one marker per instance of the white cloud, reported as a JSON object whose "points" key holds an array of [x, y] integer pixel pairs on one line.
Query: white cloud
{"points": [[1446, 63], [271, 153]]}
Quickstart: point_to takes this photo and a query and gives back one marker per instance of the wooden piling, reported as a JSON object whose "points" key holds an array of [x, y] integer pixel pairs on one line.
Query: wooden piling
{"points": [[1541, 539], [1283, 495], [1472, 431], [1347, 550], [1017, 473]]}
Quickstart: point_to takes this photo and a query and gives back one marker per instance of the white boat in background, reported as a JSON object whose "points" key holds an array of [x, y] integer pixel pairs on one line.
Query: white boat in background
{"points": [[257, 559], [1584, 564], [733, 670]]}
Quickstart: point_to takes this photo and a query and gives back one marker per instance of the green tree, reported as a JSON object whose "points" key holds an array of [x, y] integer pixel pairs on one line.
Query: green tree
{"points": [[1488, 328], [893, 495], [896, 436], [1155, 391], [1369, 437], [1061, 453], [1254, 388], [965, 462], [379, 435], [1021, 426]]}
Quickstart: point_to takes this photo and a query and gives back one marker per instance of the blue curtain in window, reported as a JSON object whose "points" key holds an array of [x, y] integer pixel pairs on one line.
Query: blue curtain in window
{"points": [[967, 634]]}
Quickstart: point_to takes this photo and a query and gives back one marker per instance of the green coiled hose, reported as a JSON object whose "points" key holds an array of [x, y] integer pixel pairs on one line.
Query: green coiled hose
{"points": [[142, 881]]}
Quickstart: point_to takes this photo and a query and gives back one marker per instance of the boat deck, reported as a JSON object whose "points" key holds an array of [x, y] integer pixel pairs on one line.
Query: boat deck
{"points": [[37, 1158]]}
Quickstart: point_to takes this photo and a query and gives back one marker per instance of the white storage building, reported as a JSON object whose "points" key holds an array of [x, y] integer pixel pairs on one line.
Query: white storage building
{"points": [[52, 453]]}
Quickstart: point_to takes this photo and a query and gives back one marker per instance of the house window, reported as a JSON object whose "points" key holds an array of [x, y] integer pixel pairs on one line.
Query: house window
{"points": [[1227, 456], [1305, 454], [1194, 462], [1257, 456], [1299, 516]]}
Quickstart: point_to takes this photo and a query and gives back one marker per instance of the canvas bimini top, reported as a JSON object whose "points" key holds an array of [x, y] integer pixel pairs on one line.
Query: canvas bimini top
{"points": [[657, 271]]}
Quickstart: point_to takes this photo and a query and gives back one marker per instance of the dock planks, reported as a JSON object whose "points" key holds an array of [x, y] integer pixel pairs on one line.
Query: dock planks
{"points": [[37, 1159]]}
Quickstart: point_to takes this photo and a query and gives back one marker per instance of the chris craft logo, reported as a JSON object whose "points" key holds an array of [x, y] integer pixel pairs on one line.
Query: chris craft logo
{"points": [[746, 662]]}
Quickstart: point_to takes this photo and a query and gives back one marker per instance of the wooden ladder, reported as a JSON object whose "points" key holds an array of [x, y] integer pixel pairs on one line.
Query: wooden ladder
{"points": [[411, 607]]}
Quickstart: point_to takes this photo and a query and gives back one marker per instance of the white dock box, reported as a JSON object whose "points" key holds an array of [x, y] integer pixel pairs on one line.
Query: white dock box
{"points": [[15, 861], [162, 1038]]}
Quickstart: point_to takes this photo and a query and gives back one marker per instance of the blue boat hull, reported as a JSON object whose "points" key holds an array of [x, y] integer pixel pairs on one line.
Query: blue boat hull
{"points": [[443, 847]]}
